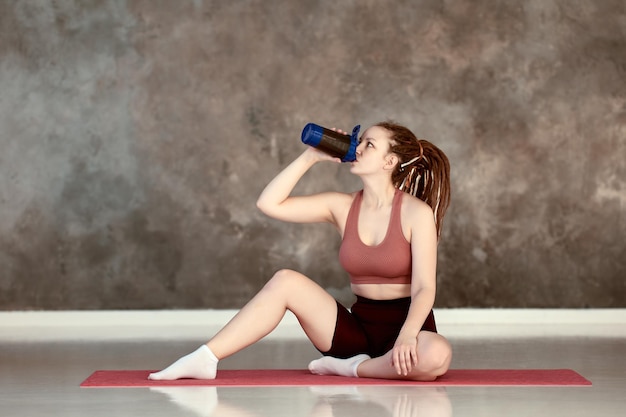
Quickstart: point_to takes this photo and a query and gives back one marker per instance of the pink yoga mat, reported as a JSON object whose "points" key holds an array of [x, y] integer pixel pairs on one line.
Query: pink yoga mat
{"points": [[297, 377]]}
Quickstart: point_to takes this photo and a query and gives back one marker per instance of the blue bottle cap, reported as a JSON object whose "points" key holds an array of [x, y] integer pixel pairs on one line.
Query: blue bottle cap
{"points": [[312, 134]]}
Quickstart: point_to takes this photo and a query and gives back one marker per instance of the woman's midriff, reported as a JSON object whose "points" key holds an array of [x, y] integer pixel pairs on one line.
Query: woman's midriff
{"points": [[382, 291]]}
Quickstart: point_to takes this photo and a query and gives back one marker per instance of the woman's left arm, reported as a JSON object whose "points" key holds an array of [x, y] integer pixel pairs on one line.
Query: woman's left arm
{"points": [[423, 285]]}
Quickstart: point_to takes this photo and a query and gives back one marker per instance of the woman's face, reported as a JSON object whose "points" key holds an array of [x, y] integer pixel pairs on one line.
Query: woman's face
{"points": [[372, 154]]}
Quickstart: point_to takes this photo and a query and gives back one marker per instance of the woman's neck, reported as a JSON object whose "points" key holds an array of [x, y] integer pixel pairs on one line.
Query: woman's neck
{"points": [[378, 195]]}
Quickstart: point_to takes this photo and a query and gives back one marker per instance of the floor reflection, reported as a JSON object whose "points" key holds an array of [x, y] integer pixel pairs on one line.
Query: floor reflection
{"points": [[366, 401], [327, 401]]}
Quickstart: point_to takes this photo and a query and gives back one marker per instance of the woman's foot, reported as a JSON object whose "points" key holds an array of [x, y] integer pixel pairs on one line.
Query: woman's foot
{"points": [[201, 364], [327, 365]]}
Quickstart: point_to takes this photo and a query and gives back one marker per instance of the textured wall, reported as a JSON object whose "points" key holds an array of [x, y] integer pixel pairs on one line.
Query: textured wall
{"points": [[135, 137]]}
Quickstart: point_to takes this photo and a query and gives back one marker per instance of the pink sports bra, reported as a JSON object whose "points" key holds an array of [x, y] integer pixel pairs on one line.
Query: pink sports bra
{"points": [[389, 262]]}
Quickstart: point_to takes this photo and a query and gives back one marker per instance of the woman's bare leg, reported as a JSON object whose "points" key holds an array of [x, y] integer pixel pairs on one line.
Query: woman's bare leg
{"points": [[315, 309], [434, 355]]}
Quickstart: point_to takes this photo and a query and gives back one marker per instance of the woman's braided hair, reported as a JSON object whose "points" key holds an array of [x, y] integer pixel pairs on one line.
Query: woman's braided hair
{"points": [[423, 170]]}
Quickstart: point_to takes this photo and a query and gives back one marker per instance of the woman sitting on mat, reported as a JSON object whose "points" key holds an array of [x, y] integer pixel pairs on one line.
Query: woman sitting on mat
{"points": [[390, 232]]}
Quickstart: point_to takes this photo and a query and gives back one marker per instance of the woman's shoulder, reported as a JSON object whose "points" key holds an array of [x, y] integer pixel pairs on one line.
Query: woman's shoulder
{"points": [[414, 202], [414, 208], [339, 204]]}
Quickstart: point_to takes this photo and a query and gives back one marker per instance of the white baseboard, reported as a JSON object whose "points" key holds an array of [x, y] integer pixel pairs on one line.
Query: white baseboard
{"points": [[16, 326]]}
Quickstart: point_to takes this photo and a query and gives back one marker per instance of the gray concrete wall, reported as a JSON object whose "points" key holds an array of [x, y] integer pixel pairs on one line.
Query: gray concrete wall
{"points": [[135, 137]]}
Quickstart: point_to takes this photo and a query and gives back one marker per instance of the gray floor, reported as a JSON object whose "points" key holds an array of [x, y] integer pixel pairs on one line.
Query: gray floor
{"points": [[42, 379]]}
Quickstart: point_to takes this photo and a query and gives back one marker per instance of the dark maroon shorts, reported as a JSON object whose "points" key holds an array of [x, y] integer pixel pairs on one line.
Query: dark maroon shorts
{"points": [[371, 327]]}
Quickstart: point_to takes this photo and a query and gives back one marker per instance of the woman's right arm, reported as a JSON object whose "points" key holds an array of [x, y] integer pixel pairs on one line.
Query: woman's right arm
{"points": [[275, 200]]}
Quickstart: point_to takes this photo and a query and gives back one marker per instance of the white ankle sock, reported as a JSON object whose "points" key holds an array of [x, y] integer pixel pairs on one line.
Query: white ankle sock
{"points": [[327, 365], [200, 364]]}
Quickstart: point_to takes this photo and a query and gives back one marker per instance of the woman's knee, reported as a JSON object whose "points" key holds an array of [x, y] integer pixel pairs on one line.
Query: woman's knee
{"points": [[284, 279], [442, 358], [436, 356]]}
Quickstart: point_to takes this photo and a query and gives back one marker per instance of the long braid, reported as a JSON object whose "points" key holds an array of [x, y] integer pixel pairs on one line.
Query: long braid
{"points": [[423, 171]]}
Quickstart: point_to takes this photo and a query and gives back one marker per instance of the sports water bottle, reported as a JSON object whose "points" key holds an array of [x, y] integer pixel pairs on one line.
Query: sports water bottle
{"points": [[333, 143]]}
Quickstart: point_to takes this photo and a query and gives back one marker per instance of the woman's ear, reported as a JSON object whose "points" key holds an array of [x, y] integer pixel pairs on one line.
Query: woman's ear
{"points": [[391, 161]]}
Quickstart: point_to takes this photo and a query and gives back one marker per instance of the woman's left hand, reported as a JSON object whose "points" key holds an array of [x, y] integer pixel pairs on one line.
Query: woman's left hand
{"points": [[404, 354]]}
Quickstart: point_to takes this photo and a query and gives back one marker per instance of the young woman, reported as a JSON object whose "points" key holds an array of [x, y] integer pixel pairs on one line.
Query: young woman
{"points": [[390, 230]]}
